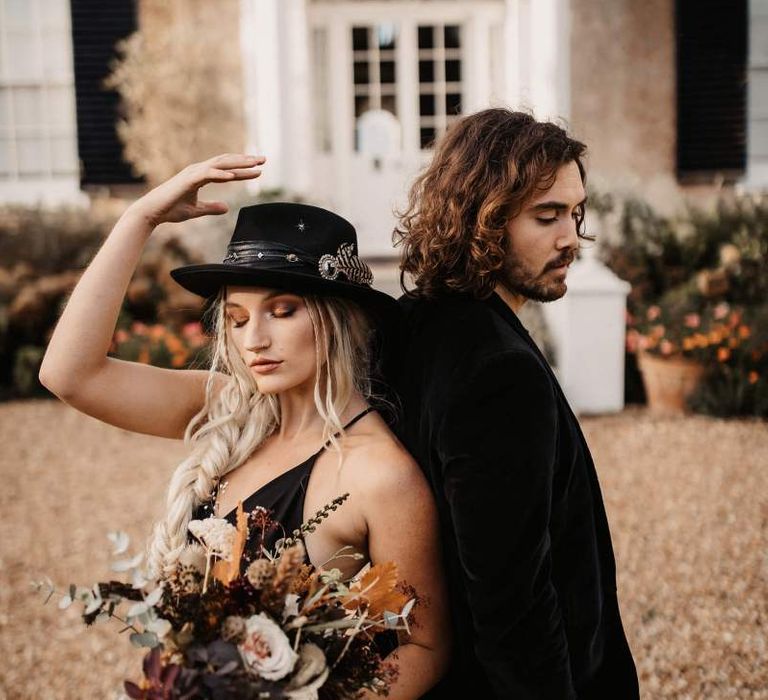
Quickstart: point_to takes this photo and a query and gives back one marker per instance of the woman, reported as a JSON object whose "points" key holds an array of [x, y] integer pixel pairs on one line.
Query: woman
{"points": [[283, 412]]}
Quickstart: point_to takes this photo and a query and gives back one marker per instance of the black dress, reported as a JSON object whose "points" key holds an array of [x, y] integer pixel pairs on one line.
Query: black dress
{"points": [[283, 497]]}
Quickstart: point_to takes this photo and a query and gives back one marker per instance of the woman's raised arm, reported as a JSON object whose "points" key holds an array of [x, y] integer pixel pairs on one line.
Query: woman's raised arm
{"points": [[76, 367]]}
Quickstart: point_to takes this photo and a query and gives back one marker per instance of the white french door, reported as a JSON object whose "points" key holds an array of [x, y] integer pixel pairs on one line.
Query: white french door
{"points": [[388, 78]]}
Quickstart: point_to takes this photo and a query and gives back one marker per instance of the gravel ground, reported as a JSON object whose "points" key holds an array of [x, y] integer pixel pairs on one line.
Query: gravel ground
{"points": [[687, 500]]}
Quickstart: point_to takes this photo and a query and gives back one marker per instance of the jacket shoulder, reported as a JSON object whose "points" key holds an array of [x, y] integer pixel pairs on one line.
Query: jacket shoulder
{"points": [[458, 326]]}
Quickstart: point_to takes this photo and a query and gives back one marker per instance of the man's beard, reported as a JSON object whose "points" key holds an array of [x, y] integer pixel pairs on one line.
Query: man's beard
{"points": [[519, 279]]}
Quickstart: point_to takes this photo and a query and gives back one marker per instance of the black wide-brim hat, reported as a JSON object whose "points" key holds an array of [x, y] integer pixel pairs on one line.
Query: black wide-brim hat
{"points": [[300, 248]]}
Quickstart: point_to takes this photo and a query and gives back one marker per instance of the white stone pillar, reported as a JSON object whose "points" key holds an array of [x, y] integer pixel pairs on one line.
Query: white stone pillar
{"points": [[296, 96], [537, 34], [588, 327], [512, 54], [478, 64], [260, 51]]}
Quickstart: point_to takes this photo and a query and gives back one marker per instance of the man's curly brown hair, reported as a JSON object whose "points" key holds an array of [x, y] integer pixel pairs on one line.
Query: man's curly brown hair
{"points": [[484, 169]]}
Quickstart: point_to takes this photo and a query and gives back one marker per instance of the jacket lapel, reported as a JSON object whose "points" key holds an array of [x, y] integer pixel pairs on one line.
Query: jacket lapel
{"points": [[501, 308]]}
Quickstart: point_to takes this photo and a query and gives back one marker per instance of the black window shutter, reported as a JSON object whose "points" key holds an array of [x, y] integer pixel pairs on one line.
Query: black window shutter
{"points": [[711, 87], [96, 27]]}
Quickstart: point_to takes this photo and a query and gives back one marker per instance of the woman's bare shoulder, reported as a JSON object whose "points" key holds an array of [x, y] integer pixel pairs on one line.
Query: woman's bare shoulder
{"points": [[375, 459]]}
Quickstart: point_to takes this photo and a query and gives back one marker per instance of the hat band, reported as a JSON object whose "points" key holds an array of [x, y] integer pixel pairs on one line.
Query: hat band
{"points": [[275, 255]]}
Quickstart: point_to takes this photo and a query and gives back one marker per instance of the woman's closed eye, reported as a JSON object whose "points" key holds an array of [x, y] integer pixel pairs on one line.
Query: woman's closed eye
{"points": [[283, 311]]}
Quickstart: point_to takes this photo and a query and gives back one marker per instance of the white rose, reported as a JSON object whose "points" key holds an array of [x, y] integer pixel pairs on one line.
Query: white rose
{"points": [[266, 650]]}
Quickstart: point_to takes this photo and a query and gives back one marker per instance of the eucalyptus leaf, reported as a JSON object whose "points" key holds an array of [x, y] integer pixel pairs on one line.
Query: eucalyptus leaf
{"points": [[407, 608], [120, 541], [137, 609], [127, 564], [138, 579], [93, 606], [144, 639], [159, 626], [333, 625], [390, 619], [154, 597]]}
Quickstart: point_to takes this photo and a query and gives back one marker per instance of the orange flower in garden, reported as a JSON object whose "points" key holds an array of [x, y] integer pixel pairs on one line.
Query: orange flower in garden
{"points": [[157, 331], [723, 354], [744, 332], [733, 342], [692, 320], [734, 319], [721, 311], [689, 343], [179, 360], [173, 343], [752, 377], [653, 313]]}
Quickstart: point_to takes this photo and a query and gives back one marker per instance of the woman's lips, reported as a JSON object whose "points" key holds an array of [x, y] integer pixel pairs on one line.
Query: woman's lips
{"points": [[266, 367]]}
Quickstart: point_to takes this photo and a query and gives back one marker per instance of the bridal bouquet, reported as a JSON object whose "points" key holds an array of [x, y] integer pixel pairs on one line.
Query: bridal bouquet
{"points": [[276, 628]]}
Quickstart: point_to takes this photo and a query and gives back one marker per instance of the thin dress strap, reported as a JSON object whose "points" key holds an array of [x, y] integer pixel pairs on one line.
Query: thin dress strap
{"points": [[350, 424]]}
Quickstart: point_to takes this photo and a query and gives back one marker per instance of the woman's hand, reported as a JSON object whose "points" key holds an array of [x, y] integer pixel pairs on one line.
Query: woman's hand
{"points": [[176, 199]]}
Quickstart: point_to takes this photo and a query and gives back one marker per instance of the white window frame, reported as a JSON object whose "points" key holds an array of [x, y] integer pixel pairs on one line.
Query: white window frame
{"points": [[52, 183]]}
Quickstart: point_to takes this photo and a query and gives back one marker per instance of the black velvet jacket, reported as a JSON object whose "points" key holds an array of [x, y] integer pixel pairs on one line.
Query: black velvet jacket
{"points": [[528, 554]]}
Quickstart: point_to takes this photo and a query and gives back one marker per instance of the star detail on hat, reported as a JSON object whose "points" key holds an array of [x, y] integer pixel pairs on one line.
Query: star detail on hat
{"points": [[301, 225]]}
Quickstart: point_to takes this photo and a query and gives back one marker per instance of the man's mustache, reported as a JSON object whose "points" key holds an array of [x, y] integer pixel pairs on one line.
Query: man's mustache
{"points": [[563, 260]]}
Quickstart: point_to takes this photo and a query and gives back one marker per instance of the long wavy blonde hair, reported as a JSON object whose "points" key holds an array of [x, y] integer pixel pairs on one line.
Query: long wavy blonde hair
{"points": [[236, 418]]}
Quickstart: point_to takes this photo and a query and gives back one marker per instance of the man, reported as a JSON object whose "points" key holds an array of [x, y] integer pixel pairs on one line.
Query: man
{"points": [[496, 220]]}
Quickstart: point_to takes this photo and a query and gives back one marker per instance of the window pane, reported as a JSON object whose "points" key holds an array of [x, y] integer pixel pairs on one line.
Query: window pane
{"points": [[453, 103], [426, 105], [426, 38], [452, 36], [362, 104], [63, 155], [33, 159], [24, 59], [27, 107], [426, 71], [361, 73], [57, 59], [387, 71], [389, 103], [6, 167], [60, 109], [453, 71], [19, 14], [385, 35], [54, 13], [359, 38], [427, 136], [5, 108]]}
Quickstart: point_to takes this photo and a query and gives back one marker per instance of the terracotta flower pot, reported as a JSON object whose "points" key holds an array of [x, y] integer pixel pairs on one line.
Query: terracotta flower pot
{"points": [[668, 381]]}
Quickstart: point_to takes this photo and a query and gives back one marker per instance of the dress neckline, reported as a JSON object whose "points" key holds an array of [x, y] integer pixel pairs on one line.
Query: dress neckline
{"points": [[308, 461]]}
